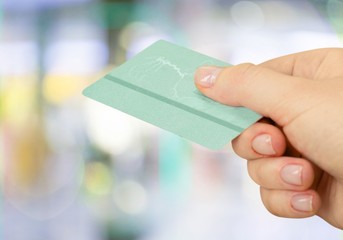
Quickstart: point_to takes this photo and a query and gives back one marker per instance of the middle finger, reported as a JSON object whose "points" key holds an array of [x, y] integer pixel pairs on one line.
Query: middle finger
{"points": [[287, 173]]}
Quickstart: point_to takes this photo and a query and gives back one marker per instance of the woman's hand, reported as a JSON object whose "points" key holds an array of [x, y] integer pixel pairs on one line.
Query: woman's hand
{"points": [[296, 152]]}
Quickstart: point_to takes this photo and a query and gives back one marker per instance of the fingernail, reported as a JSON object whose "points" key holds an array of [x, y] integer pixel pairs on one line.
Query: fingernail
{"points": [[302, 202], [262, 144], [206, 76], [292, 174]]}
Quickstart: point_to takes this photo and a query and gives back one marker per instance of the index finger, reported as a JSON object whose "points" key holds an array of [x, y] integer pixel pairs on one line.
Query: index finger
{"points": [[313, 64]]}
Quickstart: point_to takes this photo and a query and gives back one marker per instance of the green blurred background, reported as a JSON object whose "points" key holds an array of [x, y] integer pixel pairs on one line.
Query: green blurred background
{"points": [[73, 169]]}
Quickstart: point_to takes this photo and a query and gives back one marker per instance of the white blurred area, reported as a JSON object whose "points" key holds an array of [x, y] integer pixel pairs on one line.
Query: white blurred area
{"points": [[75, 169]]}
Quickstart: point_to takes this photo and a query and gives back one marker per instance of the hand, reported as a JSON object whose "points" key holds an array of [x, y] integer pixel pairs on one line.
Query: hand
{"points": [[295, 153]]}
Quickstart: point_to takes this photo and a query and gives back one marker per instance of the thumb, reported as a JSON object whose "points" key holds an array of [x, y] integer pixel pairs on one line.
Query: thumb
{"points": [[270, 93]]}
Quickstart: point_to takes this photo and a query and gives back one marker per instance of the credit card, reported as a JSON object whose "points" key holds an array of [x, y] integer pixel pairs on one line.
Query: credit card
{"points": [[157, 86]]}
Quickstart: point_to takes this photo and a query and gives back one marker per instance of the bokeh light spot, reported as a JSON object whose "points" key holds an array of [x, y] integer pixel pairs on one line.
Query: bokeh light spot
{"points": [[130, 197], [247, 15], [98, 179]]}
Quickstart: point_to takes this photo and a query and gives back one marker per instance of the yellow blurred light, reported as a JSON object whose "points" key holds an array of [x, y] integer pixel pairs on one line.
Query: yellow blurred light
{"points": [[59, 88], [29, 151], [130, 197], [2, 152], [18, 99], [98, 180]]}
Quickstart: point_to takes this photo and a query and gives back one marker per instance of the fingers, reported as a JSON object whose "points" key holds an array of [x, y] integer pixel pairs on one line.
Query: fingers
{"points": [[309, 64], [291, 204], [283, 173], [285, 185], [303, 64], [270, 93], [261, 139]]}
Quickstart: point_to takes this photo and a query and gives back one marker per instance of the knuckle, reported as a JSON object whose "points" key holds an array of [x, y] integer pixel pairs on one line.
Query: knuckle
{"points": [[265, 197], [233, 81], [269, 200], [254, 172], [239, 72], [240, 75], [245, 71]]}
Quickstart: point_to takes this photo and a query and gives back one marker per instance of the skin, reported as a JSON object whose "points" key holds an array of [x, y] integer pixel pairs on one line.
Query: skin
{"points": [[301, 97]]}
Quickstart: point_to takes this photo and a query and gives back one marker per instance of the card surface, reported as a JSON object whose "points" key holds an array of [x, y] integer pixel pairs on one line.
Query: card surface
{"points": [[157, 86]]}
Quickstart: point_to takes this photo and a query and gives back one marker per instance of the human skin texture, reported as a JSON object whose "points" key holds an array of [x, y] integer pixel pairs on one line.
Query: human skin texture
{"points": [[295, 153]]}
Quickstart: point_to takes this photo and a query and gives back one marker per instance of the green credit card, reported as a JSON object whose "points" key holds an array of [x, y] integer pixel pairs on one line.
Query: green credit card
{"points": [[157, 86]]}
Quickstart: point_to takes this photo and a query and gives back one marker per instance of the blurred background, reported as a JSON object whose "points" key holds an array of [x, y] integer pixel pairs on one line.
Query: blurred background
{"points": [[72, 168]]}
